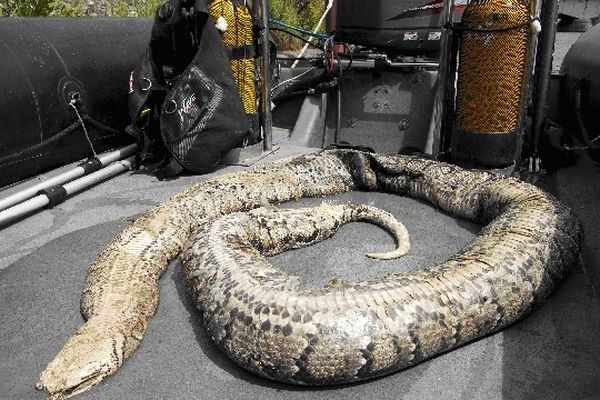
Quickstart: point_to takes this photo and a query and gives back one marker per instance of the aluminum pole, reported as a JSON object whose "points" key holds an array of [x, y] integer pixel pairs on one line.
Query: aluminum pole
{"points": [[76, 172], [40, 201], [441, 103], [543, 71], [267, 120]]}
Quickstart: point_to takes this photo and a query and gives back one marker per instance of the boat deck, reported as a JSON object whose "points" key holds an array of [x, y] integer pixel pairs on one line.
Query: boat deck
{"points": [[44, 260]]}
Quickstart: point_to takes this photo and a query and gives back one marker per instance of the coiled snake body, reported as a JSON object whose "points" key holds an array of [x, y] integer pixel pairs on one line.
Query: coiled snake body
{"points": [[267, 323]]}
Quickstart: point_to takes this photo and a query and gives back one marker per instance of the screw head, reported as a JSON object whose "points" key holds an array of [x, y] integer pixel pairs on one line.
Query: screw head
{"points": [[403, 124]]}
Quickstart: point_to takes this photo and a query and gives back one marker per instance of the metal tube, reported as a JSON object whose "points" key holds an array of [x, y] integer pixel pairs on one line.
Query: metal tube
{"points": [[24, 208], [443, 75], [266, 81], [450, 95], [41, 201], [324, 113], [64, 177], [338, 111], [98, 176], [370, 63], [30, 192], [549, 21]]}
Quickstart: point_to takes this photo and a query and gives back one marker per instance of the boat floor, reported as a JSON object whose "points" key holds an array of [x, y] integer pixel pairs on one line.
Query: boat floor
{"points": [[553, 353]]}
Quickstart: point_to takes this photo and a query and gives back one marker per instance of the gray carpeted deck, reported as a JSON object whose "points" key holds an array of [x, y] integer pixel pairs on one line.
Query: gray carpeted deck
{"points": [[44, 259]]}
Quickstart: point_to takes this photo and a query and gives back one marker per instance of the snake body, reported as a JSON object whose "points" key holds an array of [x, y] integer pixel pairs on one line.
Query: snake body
{"points": [[343, 333]]}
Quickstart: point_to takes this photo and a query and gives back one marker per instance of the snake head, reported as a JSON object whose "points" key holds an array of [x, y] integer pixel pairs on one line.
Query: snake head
{"points": [[92, 354]]}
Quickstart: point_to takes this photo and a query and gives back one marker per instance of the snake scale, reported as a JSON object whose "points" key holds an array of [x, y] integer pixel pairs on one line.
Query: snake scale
{"points": [[266, 322]]}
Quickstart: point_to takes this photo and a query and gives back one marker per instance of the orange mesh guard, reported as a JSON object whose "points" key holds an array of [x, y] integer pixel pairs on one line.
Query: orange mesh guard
{"points": [[493, 62]]}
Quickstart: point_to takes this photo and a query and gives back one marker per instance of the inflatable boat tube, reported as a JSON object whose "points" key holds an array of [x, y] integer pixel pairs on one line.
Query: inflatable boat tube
{"points": [[581, 87], [47, 63]]}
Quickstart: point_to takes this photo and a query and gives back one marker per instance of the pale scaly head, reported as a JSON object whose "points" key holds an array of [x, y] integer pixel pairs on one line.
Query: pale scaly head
{"points": [[93, 353]]}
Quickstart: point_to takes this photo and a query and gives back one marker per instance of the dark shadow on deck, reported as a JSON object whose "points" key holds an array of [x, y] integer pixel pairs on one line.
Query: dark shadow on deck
{"points": [[554, 353]]}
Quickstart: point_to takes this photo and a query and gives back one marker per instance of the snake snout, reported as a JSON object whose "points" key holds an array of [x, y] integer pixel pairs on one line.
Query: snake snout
{"points": [[74, 382], [82, 363]]}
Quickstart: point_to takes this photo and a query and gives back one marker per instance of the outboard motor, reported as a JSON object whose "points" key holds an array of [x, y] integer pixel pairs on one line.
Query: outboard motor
{"points": [[406, 27]]}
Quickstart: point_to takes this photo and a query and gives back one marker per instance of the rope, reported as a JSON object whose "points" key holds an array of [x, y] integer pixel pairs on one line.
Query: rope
{"points": [[87, 136], [291, 79], [329, 5], [239, 38], [16, 157], [315, 35], [317, 46], [101, 126]]}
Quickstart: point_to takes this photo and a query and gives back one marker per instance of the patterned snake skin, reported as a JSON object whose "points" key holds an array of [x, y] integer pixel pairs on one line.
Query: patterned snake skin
{"points": [[266, 323]]}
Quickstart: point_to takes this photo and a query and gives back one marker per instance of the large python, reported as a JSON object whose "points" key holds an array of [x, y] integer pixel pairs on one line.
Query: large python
{"points": [[344, 333]]}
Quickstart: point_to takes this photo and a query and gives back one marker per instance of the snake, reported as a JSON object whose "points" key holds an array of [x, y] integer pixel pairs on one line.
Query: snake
{"points": [[267, 323]]}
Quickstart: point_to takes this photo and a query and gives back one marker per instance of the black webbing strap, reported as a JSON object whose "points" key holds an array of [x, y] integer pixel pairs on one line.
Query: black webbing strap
{"points": [[55, 194], [90, 165], [248, 51]]}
